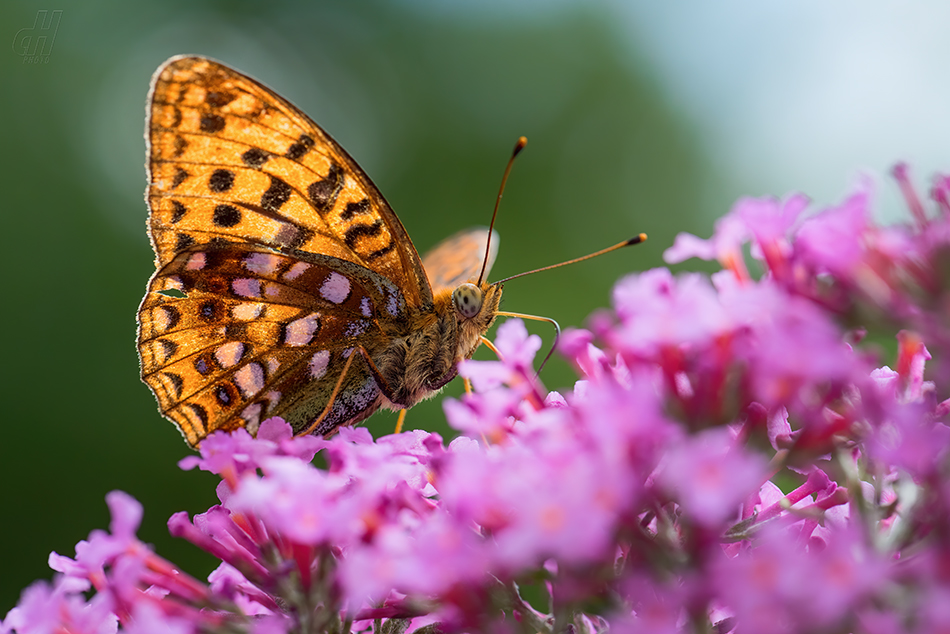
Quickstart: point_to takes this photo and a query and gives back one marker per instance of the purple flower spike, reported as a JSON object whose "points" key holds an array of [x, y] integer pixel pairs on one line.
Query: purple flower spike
{"points": [[711, 476], [126, 515], [902, 175], [60, 608], [827, 242], [725, 245], [230, 455], [658, 311], [516, 349], [485, 375], [912, 356], [941, 192], [516, 346], [733, 456]]}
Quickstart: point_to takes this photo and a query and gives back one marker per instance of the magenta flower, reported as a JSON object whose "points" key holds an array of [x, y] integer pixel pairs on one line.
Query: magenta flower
{"points": [[796, 354], [61, 607], [725, 245], [826, 241], [517, 350], [658, 311], [711, 476], [765, 220], [734, 457], [782, 586]]}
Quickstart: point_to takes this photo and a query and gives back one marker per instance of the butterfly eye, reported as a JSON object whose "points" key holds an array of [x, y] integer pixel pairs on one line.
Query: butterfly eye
{"points": [[467, 299]]}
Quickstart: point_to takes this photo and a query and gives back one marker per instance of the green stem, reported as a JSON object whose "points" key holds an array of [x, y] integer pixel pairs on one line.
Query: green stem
{"points": [[531, 620]]}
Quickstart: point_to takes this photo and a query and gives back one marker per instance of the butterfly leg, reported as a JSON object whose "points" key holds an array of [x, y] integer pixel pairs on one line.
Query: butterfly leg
{"points": [[384, 387], [400, 421], [330, 401], [381, 383]]}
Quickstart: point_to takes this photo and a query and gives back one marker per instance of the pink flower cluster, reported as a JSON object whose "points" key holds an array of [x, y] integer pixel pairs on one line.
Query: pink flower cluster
{"points": [[730, 460]]}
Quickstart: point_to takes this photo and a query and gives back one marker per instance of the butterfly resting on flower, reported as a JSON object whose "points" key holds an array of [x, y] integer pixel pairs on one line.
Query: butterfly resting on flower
{"points": [[285, 285]]}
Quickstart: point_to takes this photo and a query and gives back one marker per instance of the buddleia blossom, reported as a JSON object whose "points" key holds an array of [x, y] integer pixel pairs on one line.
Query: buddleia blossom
{"points": [[734, 457]]}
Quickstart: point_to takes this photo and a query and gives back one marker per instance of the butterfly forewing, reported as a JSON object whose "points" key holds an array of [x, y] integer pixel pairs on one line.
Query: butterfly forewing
{"points": [[260, 333], [231, 160]]}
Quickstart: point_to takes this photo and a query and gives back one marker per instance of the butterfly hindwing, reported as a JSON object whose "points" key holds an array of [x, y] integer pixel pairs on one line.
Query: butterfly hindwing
{"points": [[233, 333], [231, 160]]}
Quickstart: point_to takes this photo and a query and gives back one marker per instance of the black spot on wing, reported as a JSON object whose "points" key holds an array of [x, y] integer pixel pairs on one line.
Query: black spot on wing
{"points": [[323, 192], [172, 317], [179, 177], [178, 211], [276, 195], [356, 232], [292, 236], [353, 209], [177, 383], [205, 364], [218, 99], [211, 123], [183, 241], [226, 216], [200, 413], [211, 310], [221, 180], [378, 253], [169, 348], [255, 157], [300, 148], [179, 146], [225, 393]]}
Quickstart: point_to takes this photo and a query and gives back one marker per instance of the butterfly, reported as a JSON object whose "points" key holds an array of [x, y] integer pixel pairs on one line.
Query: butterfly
{"points": [[285, 285]]}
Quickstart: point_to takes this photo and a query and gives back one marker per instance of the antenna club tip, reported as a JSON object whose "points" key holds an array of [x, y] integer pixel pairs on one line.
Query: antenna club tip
{"points": [[522, 141], [637, 239]]}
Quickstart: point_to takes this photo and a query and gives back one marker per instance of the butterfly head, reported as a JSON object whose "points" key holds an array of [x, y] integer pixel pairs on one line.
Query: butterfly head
{"points": [[469, 300], [475, 309]]}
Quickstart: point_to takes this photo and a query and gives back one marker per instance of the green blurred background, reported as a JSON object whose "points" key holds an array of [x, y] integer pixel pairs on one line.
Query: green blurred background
{"points": [[644, 116]]}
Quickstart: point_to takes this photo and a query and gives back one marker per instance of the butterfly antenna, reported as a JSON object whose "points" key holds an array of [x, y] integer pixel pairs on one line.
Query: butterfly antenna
{"points": [[522, 141], [626, 243]]}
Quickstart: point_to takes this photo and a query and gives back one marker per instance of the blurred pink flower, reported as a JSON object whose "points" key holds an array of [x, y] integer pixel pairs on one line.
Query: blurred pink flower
{"points": [[731, 458]]}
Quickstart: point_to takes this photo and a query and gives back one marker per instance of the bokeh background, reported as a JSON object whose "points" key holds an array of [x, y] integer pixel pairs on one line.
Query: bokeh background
{"points": [[642, 116]]}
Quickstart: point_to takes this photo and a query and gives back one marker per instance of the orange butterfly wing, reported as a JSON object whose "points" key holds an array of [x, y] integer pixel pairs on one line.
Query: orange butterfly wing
{"points": [[245, 194], [458, 259], [229, 159], [261, 333]]}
